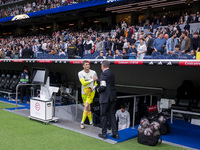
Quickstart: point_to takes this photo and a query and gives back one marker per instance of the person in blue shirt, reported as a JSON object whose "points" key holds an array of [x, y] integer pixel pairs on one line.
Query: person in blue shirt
{"points": [[159, 44], [24, 89], [171, 43]]}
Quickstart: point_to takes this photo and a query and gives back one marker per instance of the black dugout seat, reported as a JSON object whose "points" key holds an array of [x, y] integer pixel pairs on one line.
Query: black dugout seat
{"points": [[185, 96], [196, 103]]}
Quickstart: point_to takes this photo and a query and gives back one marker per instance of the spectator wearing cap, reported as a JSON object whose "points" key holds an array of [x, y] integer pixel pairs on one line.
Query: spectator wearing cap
{"points": [[99, 44], [171, 43], [185, 43], [159, 44], [195, 43]]}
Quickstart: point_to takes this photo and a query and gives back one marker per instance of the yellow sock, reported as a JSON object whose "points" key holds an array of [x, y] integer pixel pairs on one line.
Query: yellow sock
{"points": [[90, 116], [85, 113]]}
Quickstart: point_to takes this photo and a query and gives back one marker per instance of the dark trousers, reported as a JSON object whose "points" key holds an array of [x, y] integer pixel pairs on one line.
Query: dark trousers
{"points": [[149, 50], [24, 91], [108, 111]]}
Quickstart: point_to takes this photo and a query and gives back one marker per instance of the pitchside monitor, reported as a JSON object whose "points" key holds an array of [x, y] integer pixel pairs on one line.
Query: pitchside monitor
{"points": [[39, 75]]}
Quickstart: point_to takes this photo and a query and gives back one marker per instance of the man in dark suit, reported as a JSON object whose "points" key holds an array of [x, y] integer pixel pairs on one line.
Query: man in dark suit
{"points": [[107, 100], [27, 52]]}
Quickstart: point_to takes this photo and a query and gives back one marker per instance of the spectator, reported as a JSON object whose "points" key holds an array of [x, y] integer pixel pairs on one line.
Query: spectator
{"points": [[117, 54], [177, 51], [99, 44], [197, 17], [159, 44], [132, 40], [195, 43], [187, 26], [109, 53], [124, 54], [114, 44], [141, 49], [125, 44], [150, 44], [101, 56], [27, 53], [124, 25], [80, 46], [193, 54], [108, 44], [185, 43], [132, 50], [61, 52], [120, 43], [72, 50], [89, 45], [171, 43]]}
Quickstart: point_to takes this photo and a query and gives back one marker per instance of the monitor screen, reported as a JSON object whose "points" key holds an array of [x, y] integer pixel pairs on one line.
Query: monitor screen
{"points": [[39, 76]]}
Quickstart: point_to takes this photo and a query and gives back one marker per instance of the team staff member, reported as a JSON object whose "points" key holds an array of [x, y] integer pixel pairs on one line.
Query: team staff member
{"points": [[24, 79], [88, 79], [107, 100], [72, 50]]}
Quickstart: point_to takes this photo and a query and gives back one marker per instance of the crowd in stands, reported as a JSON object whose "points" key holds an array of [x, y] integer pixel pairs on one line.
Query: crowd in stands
{"points": [[3, 2], [34, 6], [126, 42]]}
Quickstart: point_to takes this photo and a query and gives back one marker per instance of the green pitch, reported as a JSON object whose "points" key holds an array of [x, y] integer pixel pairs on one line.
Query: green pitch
{"points": [[19, 133]]}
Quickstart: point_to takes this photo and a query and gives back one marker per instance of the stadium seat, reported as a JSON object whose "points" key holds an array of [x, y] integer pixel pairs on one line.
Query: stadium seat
{"points": [[159, 57], [189, 56], [148, 57], [100, 57], [154, 54], [4, 80], [109, 57], [119, 57], [174, 56], [62, 56]]}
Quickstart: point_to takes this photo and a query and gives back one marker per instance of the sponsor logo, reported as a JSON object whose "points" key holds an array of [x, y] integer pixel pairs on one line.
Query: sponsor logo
{"points": [[128, 62], [37, 106], [18, 61], [160, 63], [189, 63], [151, 63], [20, 17], [169, 63], [44, 61]]}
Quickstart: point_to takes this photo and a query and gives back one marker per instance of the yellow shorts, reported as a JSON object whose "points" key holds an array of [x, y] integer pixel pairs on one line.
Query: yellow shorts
{"points": [[88, 98]]}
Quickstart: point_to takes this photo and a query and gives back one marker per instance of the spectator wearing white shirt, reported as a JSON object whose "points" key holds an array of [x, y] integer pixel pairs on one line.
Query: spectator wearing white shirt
{"points": [[141, 49]]}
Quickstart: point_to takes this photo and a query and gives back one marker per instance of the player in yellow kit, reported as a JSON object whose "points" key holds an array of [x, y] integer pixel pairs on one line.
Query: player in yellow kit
{"points": [[88, 80]]}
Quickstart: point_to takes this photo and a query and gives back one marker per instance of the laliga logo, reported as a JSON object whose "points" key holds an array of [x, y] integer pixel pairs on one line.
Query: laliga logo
{"points": [[20, 17], [110, 1]]}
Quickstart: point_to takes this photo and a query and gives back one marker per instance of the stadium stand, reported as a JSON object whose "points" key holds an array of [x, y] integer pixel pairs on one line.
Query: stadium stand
{"points": [[171, 37]]}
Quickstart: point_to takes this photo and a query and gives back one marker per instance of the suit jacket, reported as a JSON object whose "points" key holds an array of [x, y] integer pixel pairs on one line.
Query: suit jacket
{"points": [[107, 88], [27, 53]]}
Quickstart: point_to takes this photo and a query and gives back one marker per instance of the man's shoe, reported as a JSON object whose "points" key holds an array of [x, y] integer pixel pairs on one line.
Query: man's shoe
{"points": [[104, 136], [115, 136], [21, 102], [82, 126], [27, 102]]}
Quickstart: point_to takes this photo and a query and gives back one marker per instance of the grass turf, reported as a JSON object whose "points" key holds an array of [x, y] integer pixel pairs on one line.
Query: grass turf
{"points": [[18, 132]]}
